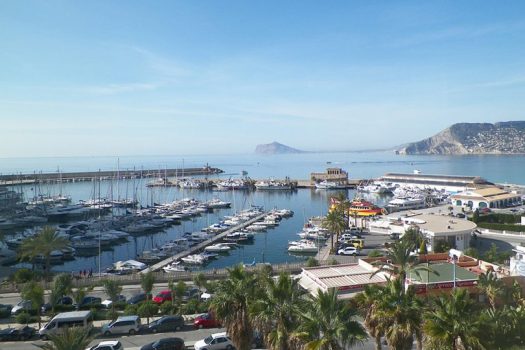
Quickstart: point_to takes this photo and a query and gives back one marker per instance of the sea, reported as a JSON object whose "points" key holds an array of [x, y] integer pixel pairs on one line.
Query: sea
{"points": [[270, 246]]}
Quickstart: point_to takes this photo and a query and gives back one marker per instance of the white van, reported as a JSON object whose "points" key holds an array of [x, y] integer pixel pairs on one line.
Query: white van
{"points": [[65, 320]]}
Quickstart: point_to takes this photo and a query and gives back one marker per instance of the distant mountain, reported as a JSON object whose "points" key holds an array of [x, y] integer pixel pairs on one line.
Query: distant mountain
{"points": [[275, 148], [473, 138]]}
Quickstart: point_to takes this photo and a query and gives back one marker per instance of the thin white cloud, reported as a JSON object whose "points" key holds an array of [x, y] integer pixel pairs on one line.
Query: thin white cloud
{"points": [[113, 89]]}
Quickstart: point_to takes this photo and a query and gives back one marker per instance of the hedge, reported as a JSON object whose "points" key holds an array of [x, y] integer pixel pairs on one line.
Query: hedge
{"points": [[502, 227]]}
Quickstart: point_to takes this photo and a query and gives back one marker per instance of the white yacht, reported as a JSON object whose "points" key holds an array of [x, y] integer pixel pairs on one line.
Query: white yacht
{"points": [[303, 247], [174, 267], [218, 248], [329, 185], [405, 203], [194, 259], [273, 185]]}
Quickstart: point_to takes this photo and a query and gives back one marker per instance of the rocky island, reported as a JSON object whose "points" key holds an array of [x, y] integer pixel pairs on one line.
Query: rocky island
{"points": [[275, 148], [473, 138]]}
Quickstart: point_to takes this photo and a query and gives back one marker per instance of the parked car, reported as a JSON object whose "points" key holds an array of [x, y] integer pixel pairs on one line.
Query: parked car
{"points": [[107, 345], [215, 341], [192, 293], [138, 298], [348, 251], [165, 344], [89, 301], [21, 333], [65, 300], [22, 305], [107, 303], [5, 310], [167, 324], [122, 325], [206, 321], [163, 296]]}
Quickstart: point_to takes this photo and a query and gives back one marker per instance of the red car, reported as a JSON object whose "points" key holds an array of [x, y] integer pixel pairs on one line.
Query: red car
{"points": [[206, 321], [163, 296]]}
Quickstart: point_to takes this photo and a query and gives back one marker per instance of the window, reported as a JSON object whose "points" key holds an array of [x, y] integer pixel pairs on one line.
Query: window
{"points": [[221, 340]]}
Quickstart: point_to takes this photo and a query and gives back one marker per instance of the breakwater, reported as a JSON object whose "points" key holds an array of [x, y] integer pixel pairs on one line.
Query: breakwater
{"points": [[60, 177]]}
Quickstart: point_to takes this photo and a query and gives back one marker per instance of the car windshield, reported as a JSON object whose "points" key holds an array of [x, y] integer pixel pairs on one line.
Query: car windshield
{"points": [[208, 340]]}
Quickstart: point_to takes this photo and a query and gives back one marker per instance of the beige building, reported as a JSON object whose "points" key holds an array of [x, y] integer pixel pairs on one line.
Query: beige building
{"points": [[332, 174], [456, 232], [491, 197]]}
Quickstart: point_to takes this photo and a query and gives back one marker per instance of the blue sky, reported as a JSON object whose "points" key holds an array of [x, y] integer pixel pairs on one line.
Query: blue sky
{"points": [[205, 77]]}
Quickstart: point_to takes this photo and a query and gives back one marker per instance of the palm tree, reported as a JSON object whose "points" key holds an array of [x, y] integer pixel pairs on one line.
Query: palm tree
{"points": [[399, 315], [335, 223], [231, 305], [452, 322], [147, 280], [491, 286], [327, 323], [275, 312], [62, 285], [400, 262], [42, 245], [74, 338], [112, 290], [367, 303], [34, 292]]}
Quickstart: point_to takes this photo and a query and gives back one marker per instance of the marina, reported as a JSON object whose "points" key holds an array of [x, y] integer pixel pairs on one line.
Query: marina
{"points": [[268, 245]]}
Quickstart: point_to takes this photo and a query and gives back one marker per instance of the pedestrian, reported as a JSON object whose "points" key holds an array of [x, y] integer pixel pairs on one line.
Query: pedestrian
{"points": [[91, 272]]}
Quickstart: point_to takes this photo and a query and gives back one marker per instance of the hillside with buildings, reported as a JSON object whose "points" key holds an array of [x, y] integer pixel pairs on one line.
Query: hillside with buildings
{"points": [[473, 138]]}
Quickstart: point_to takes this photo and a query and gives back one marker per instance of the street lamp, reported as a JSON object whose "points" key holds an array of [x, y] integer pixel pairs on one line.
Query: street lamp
{"points": [[454, 255]]}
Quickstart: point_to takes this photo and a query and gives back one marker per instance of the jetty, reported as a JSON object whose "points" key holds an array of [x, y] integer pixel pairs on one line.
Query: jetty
{"points": [[62, 177], [203, 244]]}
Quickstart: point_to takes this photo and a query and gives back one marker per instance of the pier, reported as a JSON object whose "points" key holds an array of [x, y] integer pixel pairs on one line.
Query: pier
{"points": [[60, 177], [203, 244]]}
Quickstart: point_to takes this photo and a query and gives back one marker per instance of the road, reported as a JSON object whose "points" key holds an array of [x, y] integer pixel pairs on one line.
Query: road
{"points": [[135, 342]]}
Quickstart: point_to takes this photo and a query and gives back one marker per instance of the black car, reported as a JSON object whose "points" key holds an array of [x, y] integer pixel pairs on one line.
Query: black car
{"points": [[138, 298], [167, 324], [89, 302], [165, 344], [192, 293], [65, 300], [22, 333]]}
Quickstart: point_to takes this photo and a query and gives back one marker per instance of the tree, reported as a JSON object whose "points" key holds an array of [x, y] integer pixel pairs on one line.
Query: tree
{"points": [[62, 285], [148, 309], [399, 314], [35, 292], [231, 305], [400, 261], [74, 338], [452, 322], [112, 290], [80, 293], [42, 245], [147, 280], [327, 323], [335, 223], [413, 238], [275, 312], [490, 286], [367, 303], [200, 281]]}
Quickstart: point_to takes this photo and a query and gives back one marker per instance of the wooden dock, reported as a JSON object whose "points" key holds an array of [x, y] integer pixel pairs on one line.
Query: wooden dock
{"points": [[203, 244]]}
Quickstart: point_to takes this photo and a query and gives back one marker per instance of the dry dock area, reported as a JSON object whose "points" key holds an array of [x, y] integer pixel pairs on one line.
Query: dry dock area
{"points": [[203, 244]]}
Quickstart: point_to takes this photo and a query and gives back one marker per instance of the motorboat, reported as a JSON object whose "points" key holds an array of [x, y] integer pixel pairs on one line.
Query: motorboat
{"points": [[217, 204], [194, 259], [175, 267], [126, 267], [273, 185], [360, 207], [406, 203], [303, 247], [329, 185], [219, 248]]}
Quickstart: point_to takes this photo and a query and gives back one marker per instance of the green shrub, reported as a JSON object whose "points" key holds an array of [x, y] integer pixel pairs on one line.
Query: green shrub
{"points": [[64, 308], [375, 253], [168, 309], [333, 262], [312, 262], [120, 305], [112, 314], [99, 314], [442, 246], [25, 318], [502, 227], [24, 275], [131, 310], [148, 309], [191, 307]]}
